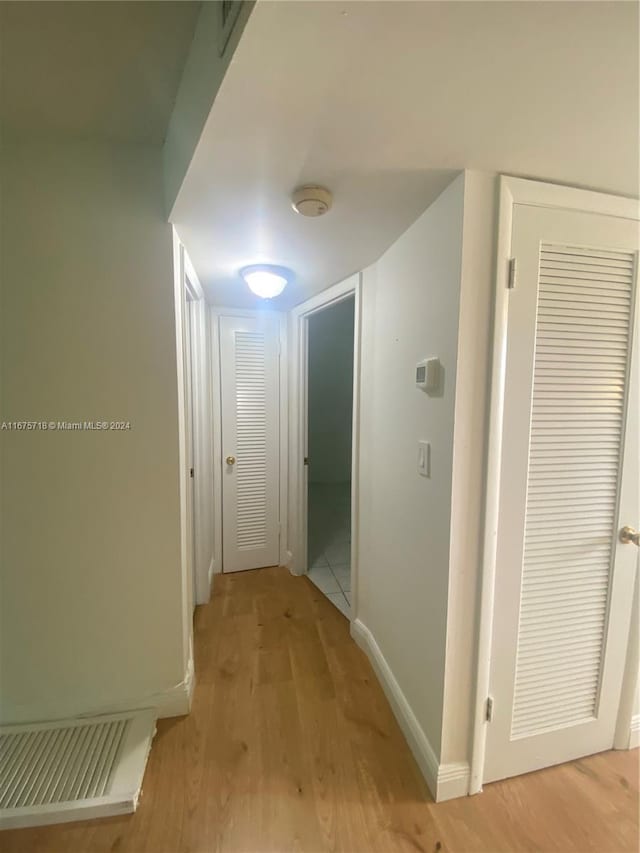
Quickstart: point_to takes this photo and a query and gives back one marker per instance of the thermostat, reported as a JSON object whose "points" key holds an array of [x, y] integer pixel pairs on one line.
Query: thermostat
{"points": [[428, 375]]}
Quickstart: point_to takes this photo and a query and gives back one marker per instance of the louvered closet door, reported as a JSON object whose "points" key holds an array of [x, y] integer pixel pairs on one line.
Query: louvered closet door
{"points": [[250, 439], [569, 480]]}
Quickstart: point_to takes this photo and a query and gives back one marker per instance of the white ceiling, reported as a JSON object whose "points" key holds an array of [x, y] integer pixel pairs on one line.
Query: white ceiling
{"points": [[107, 70], [383, 102]]}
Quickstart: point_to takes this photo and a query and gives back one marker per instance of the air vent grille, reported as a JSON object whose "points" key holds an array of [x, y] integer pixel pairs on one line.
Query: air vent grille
{"points": [[71, 769], [58, 765]]}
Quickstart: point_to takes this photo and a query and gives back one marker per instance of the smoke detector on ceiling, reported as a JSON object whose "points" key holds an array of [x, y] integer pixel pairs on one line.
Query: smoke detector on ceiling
{"points": [[311, 201]]}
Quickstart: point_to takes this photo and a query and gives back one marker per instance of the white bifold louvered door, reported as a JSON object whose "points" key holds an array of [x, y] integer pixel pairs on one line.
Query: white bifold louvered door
{"points": [[250, 441], [569, 480]]}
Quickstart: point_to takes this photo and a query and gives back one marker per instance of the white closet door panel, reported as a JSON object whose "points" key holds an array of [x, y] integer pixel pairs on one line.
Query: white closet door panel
{"points": [[250, 435], [569, 480]]}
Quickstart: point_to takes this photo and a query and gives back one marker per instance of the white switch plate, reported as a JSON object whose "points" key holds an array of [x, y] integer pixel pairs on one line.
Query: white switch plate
{"points": [[424, 458], [428, 375]]}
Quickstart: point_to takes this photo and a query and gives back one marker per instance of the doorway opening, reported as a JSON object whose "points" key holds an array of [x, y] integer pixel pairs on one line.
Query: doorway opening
{"points": [[330, 365]]}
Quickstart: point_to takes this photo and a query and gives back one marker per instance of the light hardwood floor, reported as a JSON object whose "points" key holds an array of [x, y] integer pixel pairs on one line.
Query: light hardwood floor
{"points": [[291, 746]]}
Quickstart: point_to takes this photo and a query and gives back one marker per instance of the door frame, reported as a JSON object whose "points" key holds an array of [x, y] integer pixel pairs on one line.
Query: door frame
{"points": [[298, 426], [185, 520], [202, 406], [194, 501], [514, 191], [215, 312]]}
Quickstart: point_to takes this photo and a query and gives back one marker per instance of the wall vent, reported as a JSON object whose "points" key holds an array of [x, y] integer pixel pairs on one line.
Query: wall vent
{"points": [[73, 769], [229, 11]]}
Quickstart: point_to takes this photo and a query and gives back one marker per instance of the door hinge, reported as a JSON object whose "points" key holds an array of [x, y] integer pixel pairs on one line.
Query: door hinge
{"points": [[489, 709], [306, 460], [512, 273], [191, 472]]}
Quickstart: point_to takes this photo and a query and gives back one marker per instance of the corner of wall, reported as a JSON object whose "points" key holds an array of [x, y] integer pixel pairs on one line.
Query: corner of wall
{"points": [[467, 499], [176, 701]]}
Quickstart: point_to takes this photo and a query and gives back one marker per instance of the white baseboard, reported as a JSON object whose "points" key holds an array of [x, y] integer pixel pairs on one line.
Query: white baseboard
{"points": [[453, 781], [217, 561], [416, 738], [203, 595], [634, 734], [445, 781], [289, 563]]}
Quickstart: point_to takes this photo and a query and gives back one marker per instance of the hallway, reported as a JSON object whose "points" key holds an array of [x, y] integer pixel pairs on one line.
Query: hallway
{"points": [[291, 745]]}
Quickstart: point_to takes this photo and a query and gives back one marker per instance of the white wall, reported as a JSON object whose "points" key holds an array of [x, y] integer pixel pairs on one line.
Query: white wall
{"points": [[410, 311], [330, 393], [91, 585]]}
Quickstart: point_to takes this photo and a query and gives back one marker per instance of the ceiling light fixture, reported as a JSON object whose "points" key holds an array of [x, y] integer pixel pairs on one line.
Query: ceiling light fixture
{"points": [[266, 280]]}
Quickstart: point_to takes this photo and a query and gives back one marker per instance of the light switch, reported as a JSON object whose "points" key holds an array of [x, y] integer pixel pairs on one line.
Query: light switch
{"points": [[424, 458]]}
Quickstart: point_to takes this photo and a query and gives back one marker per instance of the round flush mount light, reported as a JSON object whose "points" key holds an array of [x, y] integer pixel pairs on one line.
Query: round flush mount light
{"points": [[311, 200], [266, 280]]}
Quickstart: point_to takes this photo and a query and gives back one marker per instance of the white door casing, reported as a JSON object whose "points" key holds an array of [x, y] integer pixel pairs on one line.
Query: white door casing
{"points": [[249, 368], [569, 480], [298, 427], [190, 417]]}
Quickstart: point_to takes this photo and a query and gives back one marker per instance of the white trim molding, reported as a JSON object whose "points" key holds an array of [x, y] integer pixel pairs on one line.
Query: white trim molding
{"points": [[202, 449], [216, 444], [627, 730], [445, 781], [186, 590], [453, 780], [283, 385], [420, 747], [512, 191]]}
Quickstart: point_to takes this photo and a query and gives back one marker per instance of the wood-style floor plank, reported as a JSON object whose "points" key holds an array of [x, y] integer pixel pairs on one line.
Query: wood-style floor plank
{"points": [[292, 746]]}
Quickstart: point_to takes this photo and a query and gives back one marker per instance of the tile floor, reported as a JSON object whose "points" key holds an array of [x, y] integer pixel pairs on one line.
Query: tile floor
{"points": [[329, 542]]}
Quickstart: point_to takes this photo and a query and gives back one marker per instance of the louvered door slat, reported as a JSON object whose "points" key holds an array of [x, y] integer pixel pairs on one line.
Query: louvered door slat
{"points": [[584, 308], [251, 483], [250, 408]]}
